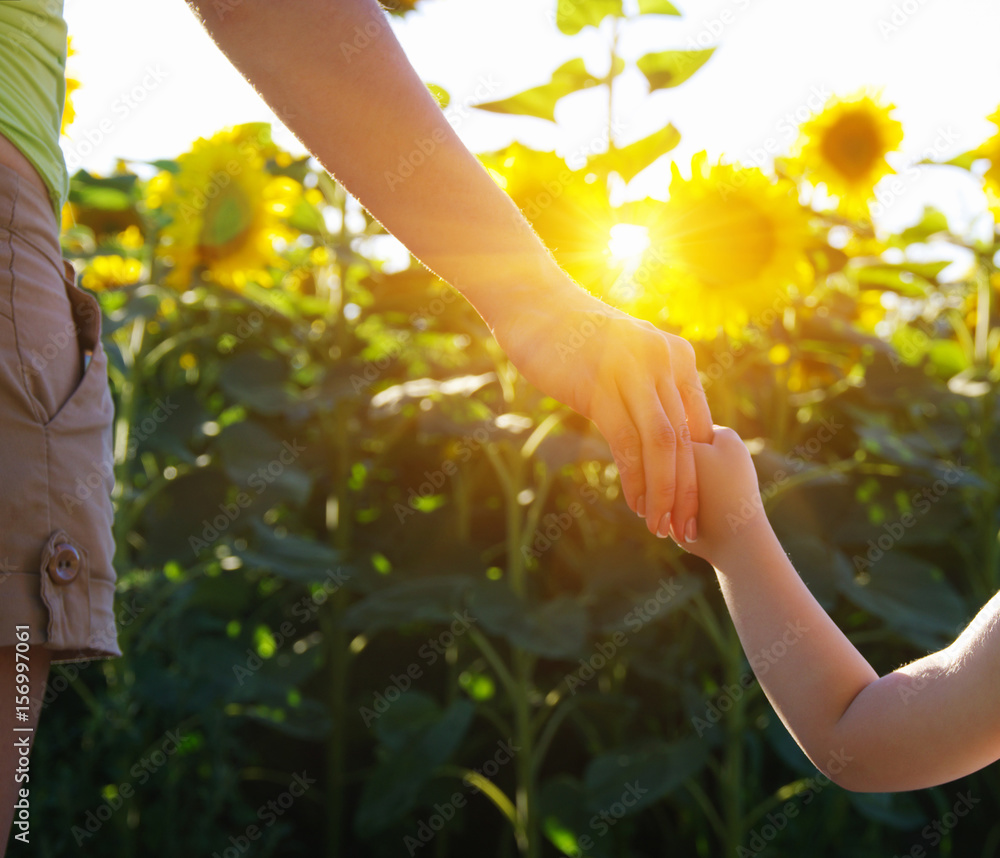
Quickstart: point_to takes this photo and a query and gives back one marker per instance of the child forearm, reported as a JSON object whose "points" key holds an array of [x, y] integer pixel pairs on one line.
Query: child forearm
{"points": [[929, 722]]}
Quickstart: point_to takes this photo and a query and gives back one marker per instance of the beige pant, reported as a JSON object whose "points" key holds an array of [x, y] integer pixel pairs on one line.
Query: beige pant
{"points": [[56, 543]]}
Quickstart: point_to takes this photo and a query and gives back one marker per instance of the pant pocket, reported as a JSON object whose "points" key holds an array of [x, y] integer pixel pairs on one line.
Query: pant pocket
{"points": [[77, 573], [47, 332]]}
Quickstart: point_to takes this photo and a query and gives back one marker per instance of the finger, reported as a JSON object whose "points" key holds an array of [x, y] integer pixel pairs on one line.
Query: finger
{"points": [[688, 382], [658, 450], [616, 425], [684, 513]]}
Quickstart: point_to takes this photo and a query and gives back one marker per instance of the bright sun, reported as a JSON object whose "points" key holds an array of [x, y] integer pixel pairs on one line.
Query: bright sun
{"points": [[628, 243]]}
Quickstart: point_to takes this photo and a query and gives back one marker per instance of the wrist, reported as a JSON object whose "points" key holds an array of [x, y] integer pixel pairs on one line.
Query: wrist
{"points": [[752, 542], [538, 289]]}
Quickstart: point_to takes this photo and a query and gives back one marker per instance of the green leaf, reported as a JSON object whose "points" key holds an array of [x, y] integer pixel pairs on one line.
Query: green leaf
{"points": [[541, 101], [932, 221], [255, 460], [257, 382], [394, 788], [632, 159], [432, 600], [305, 217], [671, 68], [565, 816], [657, 7], [911, 595], [898, 810], [113, 193], [294, 557], [892, 278], [573, 15], [964, 161], [553, 629], [643, 773], [308, 721]]}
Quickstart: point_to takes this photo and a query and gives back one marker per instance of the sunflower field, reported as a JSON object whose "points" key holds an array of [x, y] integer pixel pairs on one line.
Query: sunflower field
{"points": [[380, 597]]}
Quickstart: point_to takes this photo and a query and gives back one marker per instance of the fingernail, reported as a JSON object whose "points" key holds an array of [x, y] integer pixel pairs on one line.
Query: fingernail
{"points": [[691, 531], [640, 506], [663, 531]]}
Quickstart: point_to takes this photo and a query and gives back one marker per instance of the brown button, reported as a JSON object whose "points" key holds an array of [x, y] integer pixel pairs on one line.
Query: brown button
{"points": [[65, 563]]}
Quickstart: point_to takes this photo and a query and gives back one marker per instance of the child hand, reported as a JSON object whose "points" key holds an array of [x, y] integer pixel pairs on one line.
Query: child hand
{"points": [[730, 507]]}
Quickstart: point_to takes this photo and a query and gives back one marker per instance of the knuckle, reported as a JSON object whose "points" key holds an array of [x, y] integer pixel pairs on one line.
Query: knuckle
{"points": [[666, 492], [683, 350], [626, 448], [684, 434], [662, 435]]}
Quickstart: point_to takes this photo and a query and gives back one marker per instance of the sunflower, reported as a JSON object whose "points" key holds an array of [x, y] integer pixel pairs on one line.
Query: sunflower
{"points": [[225, 209], [72, 85], [844, 147], [991, 150], [109, 271], [731, 243], [566, 203]]}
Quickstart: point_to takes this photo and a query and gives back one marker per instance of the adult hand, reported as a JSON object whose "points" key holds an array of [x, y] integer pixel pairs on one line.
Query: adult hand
{"points": [[638, 384]]}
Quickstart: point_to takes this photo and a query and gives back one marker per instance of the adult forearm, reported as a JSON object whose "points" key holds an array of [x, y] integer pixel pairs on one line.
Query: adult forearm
{"points": [[336, 75]]}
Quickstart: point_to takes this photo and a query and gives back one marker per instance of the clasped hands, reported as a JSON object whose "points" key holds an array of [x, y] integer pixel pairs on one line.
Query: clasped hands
{"points": [[638, 384]]}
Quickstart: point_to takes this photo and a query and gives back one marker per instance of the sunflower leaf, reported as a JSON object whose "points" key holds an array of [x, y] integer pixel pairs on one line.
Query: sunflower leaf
{"points": [[632, 159], [657, 7], [671, 68], [573, 15], [541, 100]]}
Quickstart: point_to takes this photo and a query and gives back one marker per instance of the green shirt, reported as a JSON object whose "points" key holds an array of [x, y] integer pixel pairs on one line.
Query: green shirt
{"points": [[33, 87]]}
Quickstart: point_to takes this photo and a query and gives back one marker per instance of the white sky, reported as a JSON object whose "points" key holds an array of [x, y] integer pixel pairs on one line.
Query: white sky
{"points": [[939, 65]]}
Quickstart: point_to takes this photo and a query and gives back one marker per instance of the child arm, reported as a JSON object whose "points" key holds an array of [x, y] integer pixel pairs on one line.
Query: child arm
{"points": [[929, 722]]}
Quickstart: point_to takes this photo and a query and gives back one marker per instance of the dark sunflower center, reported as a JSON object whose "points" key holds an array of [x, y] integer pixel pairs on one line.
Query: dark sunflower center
{"points": [[852, 145], [227, 217], [724, 242]]}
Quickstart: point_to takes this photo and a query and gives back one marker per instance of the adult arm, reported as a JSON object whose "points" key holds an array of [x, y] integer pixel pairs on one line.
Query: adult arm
{"points": [[359, 111]]}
